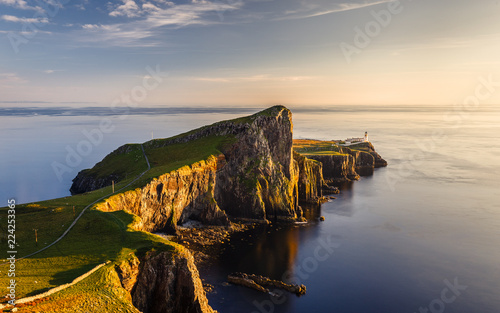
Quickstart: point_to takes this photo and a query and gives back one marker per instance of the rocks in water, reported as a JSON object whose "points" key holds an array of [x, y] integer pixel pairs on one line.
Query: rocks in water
{"points": [[260, 283]]}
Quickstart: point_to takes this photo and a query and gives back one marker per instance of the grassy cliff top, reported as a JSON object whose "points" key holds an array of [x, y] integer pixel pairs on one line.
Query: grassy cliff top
{"points": [[101, 236], [319, 147], [171, 153], [316, 147]]}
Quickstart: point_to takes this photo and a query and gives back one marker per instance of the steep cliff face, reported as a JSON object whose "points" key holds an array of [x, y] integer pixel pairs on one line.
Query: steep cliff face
{"points": [[343, 163], [337, 168], [260, 178], [365, 155], [310, 183], [187, 193], [254, 177], [164, 282], [169, 283]]}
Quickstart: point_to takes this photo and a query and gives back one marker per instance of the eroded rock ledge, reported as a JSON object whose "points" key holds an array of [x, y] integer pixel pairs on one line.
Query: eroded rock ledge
{"points": [[164, 282]]}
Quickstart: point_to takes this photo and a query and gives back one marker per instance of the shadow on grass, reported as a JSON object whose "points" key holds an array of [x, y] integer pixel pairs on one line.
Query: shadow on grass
{"points": [[68, 276], [37, 292]]}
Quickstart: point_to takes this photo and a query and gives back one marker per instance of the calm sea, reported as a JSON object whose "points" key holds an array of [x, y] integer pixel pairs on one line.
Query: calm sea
{"points": [[421, 234]]}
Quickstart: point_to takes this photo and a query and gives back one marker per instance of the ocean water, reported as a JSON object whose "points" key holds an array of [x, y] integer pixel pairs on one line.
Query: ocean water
{"points": [[421, 234]]}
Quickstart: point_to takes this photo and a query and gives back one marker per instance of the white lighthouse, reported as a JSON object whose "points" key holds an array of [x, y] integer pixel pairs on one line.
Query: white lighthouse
{"points": [[366, 136]]}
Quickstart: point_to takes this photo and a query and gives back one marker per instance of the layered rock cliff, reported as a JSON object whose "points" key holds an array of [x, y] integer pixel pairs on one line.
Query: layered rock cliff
{"points": [[347, 163], [172, 198], [164, 282], [337, 168], [254, 177], [260, 178], [310, 183]]}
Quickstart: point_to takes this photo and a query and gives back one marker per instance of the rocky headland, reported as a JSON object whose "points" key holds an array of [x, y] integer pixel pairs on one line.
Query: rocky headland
{"points": [[244, 170]]}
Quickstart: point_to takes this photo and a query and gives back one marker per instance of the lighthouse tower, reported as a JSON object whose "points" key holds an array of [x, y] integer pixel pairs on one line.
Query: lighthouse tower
{"points": [[366, 136]]}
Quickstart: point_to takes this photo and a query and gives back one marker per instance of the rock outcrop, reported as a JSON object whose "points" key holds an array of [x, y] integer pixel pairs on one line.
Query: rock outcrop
{"points": [[91, 179], [260, 283], [255, 177], [337, 168], [349, 162], [260, 178], [172, 198], [164, 282], [169, 283], [83, 182], [311, 183], [365, 155]]}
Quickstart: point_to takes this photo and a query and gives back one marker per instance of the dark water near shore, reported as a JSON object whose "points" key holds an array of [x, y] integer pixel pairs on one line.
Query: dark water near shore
{"points": [[392, 242]]}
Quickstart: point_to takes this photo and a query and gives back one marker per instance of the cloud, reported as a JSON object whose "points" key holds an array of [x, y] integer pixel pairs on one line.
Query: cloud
{"points": [[52, 71], [253, 78], [120, 35], [19, 4], [15, 19], [7, 79], [149, 7], [149, 18], [129, 9], [309, 9]]}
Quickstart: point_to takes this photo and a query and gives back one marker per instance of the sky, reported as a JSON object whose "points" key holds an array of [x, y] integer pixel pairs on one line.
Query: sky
{"points": [[248, 52]]}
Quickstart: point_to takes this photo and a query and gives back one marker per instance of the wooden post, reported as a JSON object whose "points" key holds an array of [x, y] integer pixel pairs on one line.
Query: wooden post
{"points": [[36, 236], [113, 186], [74, 211]]}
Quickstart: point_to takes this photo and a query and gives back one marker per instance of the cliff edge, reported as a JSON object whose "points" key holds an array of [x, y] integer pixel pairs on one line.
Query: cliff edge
{"points": [[242, 168]]}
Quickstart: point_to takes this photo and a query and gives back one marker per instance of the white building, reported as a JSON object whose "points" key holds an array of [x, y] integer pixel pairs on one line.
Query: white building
{"points": [[349, 141]]}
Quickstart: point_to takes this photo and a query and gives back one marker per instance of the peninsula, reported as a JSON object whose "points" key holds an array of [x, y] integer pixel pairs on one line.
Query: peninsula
{"points": [[246, 170]]}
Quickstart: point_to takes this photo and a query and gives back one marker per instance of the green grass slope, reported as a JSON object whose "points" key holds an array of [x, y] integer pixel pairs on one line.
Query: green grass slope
{"points": [[98, 236]]}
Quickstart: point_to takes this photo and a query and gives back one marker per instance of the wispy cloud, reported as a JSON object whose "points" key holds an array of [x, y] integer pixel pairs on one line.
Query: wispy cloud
{"points": [[309, 10], [18, 4], [15, 19], [52, 71], [147, 18], [8, 79], [129, 9], [442, 43], [253, 78]]}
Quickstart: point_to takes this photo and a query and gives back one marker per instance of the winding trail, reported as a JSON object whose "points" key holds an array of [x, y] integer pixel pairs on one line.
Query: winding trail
{"points": [[85, 209]]}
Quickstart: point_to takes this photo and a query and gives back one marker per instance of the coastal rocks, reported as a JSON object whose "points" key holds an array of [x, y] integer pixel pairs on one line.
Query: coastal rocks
{"points": [[337, 168], [169, 282], [260, 283], [349, 163], [365, 155]]}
